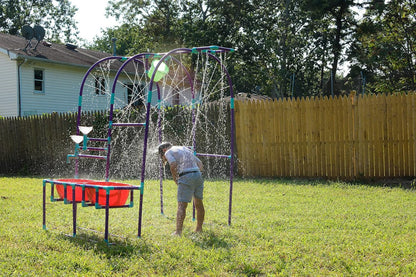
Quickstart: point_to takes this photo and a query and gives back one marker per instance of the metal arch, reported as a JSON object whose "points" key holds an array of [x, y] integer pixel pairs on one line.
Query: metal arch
{"points": [[134, 58], [81, 94], [146, 65], [84, 80], [231, 135], [212, 49], [159, 120], [146, 133]]}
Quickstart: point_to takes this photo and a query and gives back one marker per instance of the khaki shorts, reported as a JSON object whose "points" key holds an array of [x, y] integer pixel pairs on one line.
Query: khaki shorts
{"points": [[190, 185]]}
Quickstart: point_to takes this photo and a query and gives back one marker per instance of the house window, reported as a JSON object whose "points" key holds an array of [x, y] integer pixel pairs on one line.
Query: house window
{"points": [[135, 94], [39, 80], [99, 86]]}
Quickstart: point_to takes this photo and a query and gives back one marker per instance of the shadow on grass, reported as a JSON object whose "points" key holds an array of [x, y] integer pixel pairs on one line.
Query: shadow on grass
{"points": [[117, 246], [407, 183], [209, 239]]}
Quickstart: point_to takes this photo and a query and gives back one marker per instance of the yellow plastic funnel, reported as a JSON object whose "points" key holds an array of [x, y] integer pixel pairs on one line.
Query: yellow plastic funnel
{"points": [[162, 70]]}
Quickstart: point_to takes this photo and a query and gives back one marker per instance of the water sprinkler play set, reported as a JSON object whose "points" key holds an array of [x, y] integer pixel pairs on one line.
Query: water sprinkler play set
{"points": [[156, 67]]}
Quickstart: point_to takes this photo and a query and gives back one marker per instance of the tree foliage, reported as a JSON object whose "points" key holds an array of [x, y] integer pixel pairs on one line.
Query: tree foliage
{"points": [[284, 47], [385, 47], [55, 16]]}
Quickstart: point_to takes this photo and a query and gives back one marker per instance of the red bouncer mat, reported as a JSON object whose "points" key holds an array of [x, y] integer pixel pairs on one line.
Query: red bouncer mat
{"points": [[117, 197], [78, 190]]}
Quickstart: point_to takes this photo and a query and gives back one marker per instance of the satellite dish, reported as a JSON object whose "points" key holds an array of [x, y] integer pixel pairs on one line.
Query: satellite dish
{"points": [[39, 32], [27, 32]]}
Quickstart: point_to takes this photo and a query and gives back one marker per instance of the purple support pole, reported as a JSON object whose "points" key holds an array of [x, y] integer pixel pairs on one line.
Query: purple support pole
{"points": [[128, 124], [193, 141], [139, 232], [193, 210], [213, 155], [44, 205], [131, 197], [93, 157], [97, 196], [52, 191], [97, 139], [159, 127], [74, 213], [107, 209], [96, 148], [146, 135], [230, 205]]}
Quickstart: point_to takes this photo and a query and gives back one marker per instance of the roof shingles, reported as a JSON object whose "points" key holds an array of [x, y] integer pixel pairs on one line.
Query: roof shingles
{"points": [[51, 52]]}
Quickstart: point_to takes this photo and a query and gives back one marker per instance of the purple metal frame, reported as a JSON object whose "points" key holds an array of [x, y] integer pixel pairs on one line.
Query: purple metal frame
{"points": [[146, 125], [136, 58], [107, 158], [209, 50]]}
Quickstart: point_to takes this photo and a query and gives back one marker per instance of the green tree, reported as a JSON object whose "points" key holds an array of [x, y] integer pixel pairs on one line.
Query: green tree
{"points": [[284, 47], [55, 16], [129, 40], [149, 25], [228, 24], [385, 49], [332, 23], [285, 29]]}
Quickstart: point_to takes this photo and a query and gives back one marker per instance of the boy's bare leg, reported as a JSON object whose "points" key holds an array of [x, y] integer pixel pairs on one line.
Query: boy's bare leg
{"points": [[200, 214], [180, 217]]}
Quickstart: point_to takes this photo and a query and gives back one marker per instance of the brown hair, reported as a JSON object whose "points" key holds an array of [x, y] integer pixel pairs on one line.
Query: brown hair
{"points": [[162, 146]]}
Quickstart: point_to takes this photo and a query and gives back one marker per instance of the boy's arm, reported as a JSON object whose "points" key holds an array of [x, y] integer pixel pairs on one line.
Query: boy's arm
{"points": [[174, 170]]}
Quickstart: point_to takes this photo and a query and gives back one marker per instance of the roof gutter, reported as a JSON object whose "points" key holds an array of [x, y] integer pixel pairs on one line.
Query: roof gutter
{"points": [[30, 58]]}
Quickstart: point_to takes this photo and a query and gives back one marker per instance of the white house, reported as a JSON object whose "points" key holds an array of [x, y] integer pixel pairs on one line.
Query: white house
{"points": [[40, 77]]}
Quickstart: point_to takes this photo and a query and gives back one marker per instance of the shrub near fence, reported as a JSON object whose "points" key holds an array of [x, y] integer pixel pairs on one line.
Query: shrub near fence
{"points": [[345, 137]]}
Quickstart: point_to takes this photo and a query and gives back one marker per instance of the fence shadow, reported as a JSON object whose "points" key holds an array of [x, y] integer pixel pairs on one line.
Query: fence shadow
{"points": [[403, 183]]}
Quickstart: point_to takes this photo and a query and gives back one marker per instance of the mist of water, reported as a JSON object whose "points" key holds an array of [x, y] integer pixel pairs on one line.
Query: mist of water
{"points": [[202, 121]]}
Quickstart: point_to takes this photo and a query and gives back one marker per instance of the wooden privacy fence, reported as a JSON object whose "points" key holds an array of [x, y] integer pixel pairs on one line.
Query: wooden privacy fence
{"points": [[346, 137], [38, 145], [31, 145]]}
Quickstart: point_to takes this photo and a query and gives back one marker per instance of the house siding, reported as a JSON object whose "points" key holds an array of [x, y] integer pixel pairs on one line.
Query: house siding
{"points": [[91, 101], [61, 86], [61, 91], [185, 97], [9, 87]]}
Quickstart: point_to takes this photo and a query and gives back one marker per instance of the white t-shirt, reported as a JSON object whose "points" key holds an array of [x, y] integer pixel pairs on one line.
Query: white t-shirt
{"points": [[185, 158]]}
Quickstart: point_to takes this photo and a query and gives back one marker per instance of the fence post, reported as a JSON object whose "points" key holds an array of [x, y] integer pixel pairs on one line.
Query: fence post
{"points": [[355, 130]]}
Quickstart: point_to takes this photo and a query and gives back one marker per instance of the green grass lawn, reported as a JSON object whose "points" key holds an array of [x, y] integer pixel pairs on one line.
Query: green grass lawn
{"points": [[279, 227]]}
